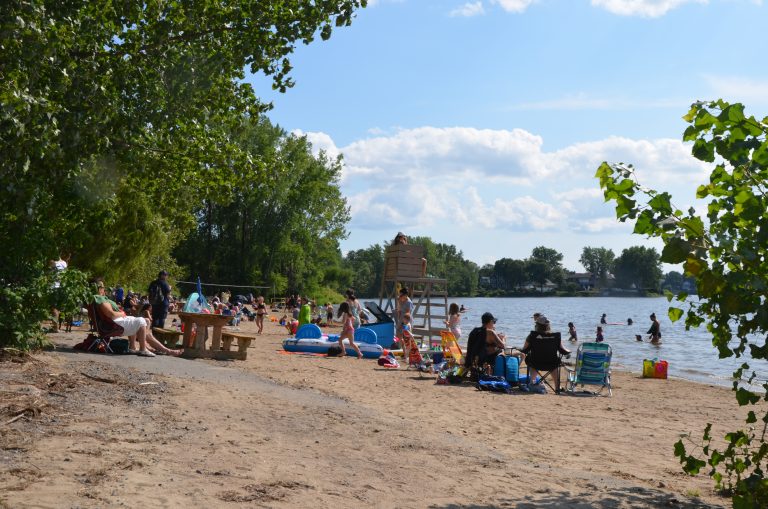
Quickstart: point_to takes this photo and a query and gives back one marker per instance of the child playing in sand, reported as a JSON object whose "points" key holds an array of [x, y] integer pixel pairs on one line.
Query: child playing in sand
{"points": [[572, 332], [348, 329], [599, 335], [454, 321]]}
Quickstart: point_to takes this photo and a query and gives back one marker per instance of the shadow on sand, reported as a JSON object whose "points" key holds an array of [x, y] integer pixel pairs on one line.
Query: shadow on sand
{"points": [[621, 498]]}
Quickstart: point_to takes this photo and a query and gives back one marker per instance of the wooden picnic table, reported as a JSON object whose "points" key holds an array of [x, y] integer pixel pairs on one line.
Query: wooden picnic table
{"points": [[196, 349]]}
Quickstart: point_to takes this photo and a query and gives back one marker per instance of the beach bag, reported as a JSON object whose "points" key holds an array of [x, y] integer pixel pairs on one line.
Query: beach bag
{"points": [[119, 346], [493, 384], [655, 368], [507, 368], [387, 360], [334, 351]]}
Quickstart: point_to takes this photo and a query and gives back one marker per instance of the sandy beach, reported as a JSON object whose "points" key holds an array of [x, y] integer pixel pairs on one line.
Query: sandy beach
{"points": [[282, 430]]}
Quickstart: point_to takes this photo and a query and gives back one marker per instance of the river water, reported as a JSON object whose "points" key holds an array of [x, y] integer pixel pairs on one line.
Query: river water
{"points": [[690, 353]]}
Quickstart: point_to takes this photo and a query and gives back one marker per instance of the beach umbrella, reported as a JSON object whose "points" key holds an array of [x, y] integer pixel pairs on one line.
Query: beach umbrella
{"points": [[200, 296]]}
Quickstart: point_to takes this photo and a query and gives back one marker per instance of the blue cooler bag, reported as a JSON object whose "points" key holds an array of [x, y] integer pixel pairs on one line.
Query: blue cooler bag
{"points": [[507, 367]]}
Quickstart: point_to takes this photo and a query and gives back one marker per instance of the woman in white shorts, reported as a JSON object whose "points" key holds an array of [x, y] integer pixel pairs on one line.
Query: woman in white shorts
{"points": [[133, 326]]}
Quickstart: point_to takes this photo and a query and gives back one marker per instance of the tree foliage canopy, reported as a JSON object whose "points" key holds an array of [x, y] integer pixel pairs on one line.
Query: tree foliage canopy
{"points": [[726, 253], [638, 267], [598, 261], [281, 229], [118, 118]]}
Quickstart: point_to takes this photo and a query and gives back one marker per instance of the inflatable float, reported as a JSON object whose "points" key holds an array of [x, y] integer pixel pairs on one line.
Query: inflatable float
{"points": [[309, 338]]}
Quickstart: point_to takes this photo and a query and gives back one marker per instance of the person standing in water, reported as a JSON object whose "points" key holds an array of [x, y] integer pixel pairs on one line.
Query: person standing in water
{"points": [[655, 330], [572, 336], [603, 321]]}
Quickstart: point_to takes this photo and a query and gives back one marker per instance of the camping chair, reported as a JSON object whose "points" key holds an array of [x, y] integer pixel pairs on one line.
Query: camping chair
{"points": [[544, 355], [451, 347], [593, 367], [106, 329]]}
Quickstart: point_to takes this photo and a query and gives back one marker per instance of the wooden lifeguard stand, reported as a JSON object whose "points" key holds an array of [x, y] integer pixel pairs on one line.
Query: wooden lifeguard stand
{"points": [[403, 269]]}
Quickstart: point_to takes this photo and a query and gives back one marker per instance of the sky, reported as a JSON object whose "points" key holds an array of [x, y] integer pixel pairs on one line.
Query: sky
{"points": [[481, 123]]}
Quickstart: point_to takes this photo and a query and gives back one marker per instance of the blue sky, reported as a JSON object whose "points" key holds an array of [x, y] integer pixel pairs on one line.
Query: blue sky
{"points": [[481, 123]]}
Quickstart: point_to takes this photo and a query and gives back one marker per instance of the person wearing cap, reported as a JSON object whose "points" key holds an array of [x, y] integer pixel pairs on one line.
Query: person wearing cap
{"points": [[159, 293], [494, 342]]}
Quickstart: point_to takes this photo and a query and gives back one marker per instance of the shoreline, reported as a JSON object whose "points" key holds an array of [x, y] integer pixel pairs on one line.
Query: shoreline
{"points": [[290, 430]]}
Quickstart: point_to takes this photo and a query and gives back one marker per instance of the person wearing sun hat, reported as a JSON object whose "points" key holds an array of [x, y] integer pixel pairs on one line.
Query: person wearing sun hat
{"points": [[541, 328]]}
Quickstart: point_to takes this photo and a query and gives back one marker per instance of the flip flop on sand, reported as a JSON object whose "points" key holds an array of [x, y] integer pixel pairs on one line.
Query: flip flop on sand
{"points": [[145, 353]]}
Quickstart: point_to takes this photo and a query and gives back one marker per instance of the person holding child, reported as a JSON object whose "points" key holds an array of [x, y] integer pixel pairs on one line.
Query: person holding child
{"points": [[348, 329]]}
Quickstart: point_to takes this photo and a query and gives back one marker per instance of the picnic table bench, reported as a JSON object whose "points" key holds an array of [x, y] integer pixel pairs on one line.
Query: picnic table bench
{"points": [[168, 337], [243, 342]]}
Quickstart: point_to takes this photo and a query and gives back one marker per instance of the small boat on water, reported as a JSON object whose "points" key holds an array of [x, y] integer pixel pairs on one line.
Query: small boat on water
{"points": [[309, 338]]}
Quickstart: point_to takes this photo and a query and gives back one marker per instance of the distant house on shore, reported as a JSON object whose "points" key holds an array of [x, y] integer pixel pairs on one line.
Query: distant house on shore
{"points": [[549, 286], [585, 280]]}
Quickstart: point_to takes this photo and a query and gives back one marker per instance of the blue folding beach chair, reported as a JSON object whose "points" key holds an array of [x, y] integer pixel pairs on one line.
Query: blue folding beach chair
{"points": [[593, 367]]}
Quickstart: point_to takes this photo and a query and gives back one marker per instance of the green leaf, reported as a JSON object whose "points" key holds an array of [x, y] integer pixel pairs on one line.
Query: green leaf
{"points": [[760, 155], [703, 150], [661, 203], [680, 449], [745, 397], [676, 250], [674, 314]]}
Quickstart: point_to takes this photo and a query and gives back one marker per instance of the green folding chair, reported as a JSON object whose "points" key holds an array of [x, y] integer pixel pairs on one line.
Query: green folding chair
{"points": [[593, 367]]}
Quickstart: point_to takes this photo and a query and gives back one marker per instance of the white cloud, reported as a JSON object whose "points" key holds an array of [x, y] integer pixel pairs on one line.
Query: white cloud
{"points": [[467, 10], [643, 8], [320, 142], [738, 89], [516, 6], [498, 180]]}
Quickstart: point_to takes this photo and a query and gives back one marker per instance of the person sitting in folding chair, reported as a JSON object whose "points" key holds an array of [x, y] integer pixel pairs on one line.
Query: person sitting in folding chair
{"points": [[134, 327], [543, 351]]}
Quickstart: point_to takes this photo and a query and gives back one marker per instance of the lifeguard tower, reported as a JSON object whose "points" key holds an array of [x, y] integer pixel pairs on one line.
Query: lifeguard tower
{"points": [[403, 268]]}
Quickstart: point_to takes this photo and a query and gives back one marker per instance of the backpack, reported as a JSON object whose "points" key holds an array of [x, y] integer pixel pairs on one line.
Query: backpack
{"points": [[119, 346], [156, 296]]}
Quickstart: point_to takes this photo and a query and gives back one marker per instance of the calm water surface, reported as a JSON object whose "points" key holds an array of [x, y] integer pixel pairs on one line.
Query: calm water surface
{"points": [[690, 353]]}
